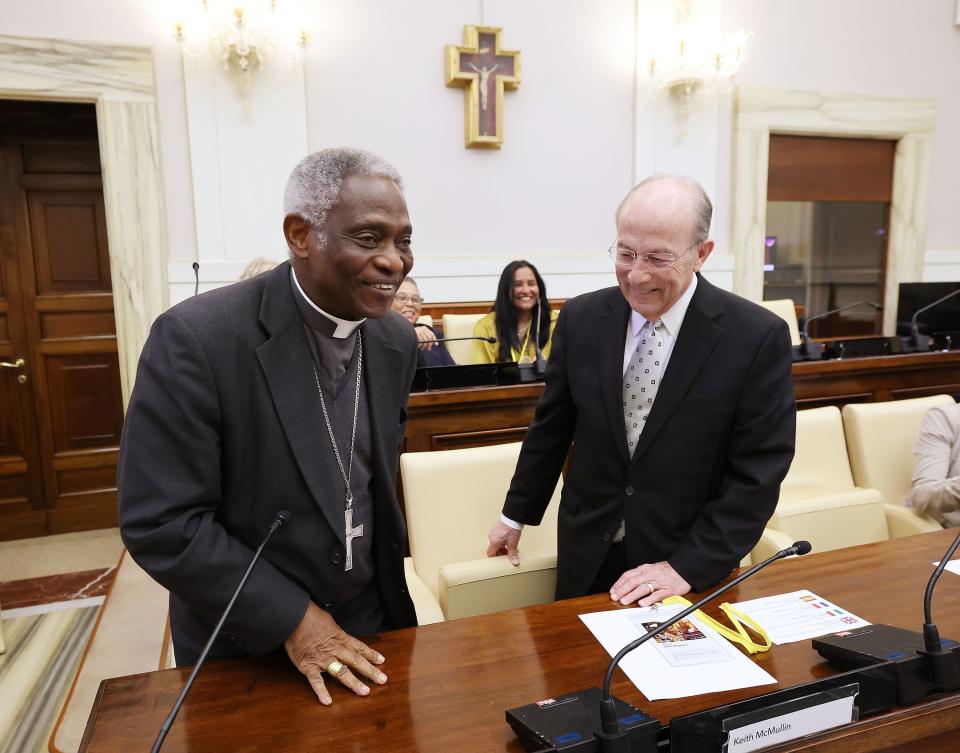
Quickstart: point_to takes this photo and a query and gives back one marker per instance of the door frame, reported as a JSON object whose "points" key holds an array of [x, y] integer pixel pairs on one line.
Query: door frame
{"points": [[758, 112], [118, 79]]}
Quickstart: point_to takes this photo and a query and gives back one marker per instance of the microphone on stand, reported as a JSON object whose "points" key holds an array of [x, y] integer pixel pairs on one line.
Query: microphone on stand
{"points": [[490, 340], [620, 723], [281, 517], [196, 277], [917, 342], [811, 350], [924, 664]]}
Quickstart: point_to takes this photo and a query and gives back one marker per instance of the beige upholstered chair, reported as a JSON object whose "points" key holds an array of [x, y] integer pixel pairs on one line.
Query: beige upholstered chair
{"points": [[460, 325], [818, 499], [425, 319], [452, 499], [880, 439], [786, 310], [131, 636], [770, 543]]}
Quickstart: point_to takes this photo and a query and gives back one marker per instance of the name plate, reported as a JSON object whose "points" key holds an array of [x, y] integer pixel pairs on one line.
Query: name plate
{"points": [[791, 720]]}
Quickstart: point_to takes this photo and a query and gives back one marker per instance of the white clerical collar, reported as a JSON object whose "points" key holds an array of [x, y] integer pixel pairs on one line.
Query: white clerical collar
{"points": [[673, 317], [344, 327]]}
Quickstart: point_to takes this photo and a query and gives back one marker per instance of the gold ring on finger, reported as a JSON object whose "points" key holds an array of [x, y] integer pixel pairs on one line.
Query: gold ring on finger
{"points": [[650, 586], [336, 668]]}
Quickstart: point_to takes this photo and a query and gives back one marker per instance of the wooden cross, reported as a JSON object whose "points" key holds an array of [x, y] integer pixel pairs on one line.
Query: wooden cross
{"points": [[484, 71]]}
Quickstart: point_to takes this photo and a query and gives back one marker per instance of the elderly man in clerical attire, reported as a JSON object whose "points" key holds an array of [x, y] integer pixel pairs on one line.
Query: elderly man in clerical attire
{"points": [[286, 391]]}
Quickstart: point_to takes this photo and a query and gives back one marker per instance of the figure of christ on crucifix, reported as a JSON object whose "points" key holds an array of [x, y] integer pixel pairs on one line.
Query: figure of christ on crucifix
{"points": [[485, 71]]}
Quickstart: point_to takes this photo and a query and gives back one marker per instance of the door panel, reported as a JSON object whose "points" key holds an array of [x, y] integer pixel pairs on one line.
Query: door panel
{"points": [[58, 262]]}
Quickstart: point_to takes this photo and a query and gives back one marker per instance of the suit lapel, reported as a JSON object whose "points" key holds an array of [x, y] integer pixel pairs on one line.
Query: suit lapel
{"points": [[696, 340], [285, 359], [611, 339], [382, 382]]}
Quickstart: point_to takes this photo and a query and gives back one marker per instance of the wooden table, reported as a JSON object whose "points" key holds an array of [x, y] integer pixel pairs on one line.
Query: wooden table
{"points": [[451, 419], [451, 682]]}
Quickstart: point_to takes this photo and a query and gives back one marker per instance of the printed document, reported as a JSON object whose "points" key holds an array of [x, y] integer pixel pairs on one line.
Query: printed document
{"points": [[687, 659], [798, 616]]}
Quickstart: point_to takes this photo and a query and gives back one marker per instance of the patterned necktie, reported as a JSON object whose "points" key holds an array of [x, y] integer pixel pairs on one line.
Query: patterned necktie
{"points": [[642, 380]]}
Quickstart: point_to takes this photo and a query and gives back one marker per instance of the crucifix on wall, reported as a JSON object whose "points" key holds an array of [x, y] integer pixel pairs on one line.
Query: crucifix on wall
{"points": [[483, 70]]}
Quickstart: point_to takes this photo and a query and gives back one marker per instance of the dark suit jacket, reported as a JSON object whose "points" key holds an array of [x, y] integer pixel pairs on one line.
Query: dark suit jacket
{"points": [[706, 473], [224, 429], [436, 356]]}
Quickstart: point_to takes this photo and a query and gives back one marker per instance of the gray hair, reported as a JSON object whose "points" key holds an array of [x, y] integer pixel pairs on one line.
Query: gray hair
{"points": [[702, 207], [314, 184]]}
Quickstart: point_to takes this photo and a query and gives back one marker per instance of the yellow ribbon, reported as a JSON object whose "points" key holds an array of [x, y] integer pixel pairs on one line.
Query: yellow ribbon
{"points": [[738, 619]]}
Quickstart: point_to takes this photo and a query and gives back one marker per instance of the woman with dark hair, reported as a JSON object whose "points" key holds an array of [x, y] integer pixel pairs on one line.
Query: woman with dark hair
{"points": [[521, 318]]}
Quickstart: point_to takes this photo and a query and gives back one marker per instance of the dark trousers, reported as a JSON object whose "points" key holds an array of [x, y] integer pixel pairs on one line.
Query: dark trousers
{"points": [[614, 565]]}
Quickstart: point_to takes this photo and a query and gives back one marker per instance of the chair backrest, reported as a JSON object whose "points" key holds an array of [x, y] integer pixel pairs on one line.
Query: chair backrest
{"points": [[425, 319], [820, 464], [786, 310], [460, 325], [454, 497], [880, 439]]}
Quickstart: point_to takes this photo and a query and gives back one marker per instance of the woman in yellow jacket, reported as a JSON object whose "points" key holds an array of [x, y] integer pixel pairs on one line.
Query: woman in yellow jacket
{"points": [[520, 318]]}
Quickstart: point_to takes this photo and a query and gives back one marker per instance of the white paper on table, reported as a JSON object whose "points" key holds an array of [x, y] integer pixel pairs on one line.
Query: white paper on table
{"points": [[798, 616], [719, 667], [953, 566]]}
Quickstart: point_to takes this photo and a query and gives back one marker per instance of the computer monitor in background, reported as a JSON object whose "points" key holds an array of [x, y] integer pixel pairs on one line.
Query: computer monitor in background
{"points": [[914, 296]]}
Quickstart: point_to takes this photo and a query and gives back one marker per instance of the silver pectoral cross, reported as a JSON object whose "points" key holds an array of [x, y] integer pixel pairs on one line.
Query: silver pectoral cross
{"points": [[351, 534]]}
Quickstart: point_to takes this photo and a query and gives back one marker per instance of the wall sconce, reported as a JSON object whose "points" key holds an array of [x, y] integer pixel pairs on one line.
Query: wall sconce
{"points": [[241, 40], [694, 58]]}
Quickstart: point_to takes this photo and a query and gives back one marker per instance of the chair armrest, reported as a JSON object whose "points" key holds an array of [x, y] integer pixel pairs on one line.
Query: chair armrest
{"points": [[771, 542], [426, 605], [902, 521], [492, 584]]}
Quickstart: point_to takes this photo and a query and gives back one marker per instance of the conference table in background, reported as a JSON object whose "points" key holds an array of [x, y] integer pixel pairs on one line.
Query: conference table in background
{"points": [[456, 418], [451, 682]]}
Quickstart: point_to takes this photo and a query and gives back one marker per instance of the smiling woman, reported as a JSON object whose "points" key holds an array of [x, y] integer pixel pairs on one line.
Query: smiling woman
{"points": [[521, 320]]}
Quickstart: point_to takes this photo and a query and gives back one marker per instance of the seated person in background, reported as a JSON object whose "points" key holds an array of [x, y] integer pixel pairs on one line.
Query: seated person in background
{"points": [[409, 303], [521, 315], [936, 466], [257, 266]]}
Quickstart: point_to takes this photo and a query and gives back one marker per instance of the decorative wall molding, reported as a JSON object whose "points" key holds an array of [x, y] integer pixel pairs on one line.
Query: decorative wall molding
{"points": [[119, 80], [758, 112]]}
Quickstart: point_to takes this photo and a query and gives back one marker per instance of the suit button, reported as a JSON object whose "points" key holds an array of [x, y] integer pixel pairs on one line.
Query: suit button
{"points": [[336, 558], [628, 491], [403, 591], [606, 538]]}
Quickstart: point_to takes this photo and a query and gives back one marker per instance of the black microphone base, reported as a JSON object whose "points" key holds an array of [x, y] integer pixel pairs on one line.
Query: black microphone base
{"points": [[572, 722], [917, 672]]}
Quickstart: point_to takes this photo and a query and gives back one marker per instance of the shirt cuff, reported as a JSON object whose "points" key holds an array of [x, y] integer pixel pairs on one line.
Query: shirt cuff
{"points": [[511, 523]]}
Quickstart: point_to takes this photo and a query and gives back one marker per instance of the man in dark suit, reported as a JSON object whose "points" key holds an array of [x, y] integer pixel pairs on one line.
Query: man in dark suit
{"points": [[286, 391], [671, 480]]}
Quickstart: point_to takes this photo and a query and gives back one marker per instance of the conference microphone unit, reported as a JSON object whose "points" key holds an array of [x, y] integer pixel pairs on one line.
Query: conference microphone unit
{"points": [[922, 663], [594, 720], [808, 350], [915, 342], [281, 517]]}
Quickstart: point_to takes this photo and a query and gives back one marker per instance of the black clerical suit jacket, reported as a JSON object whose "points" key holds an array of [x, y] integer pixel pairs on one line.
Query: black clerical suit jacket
{"points": [[224, 428], [706, 473]]}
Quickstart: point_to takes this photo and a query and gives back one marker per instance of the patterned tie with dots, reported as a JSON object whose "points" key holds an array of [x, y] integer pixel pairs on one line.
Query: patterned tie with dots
{"points": [[642, 380]]}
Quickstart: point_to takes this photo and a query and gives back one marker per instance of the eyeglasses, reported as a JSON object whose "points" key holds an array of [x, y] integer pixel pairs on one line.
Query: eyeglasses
{"points": [[626, 259], [404, 297]]}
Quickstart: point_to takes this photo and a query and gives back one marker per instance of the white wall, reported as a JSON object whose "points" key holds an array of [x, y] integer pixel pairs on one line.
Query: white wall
{"points": [[578, 131]]}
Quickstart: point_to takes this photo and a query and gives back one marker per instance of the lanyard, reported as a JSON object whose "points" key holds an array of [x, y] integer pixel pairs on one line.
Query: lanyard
{"points": [[738, 619]]}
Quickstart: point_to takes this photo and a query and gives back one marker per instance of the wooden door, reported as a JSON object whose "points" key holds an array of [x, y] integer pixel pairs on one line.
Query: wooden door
{"points": [[62, 409]]}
